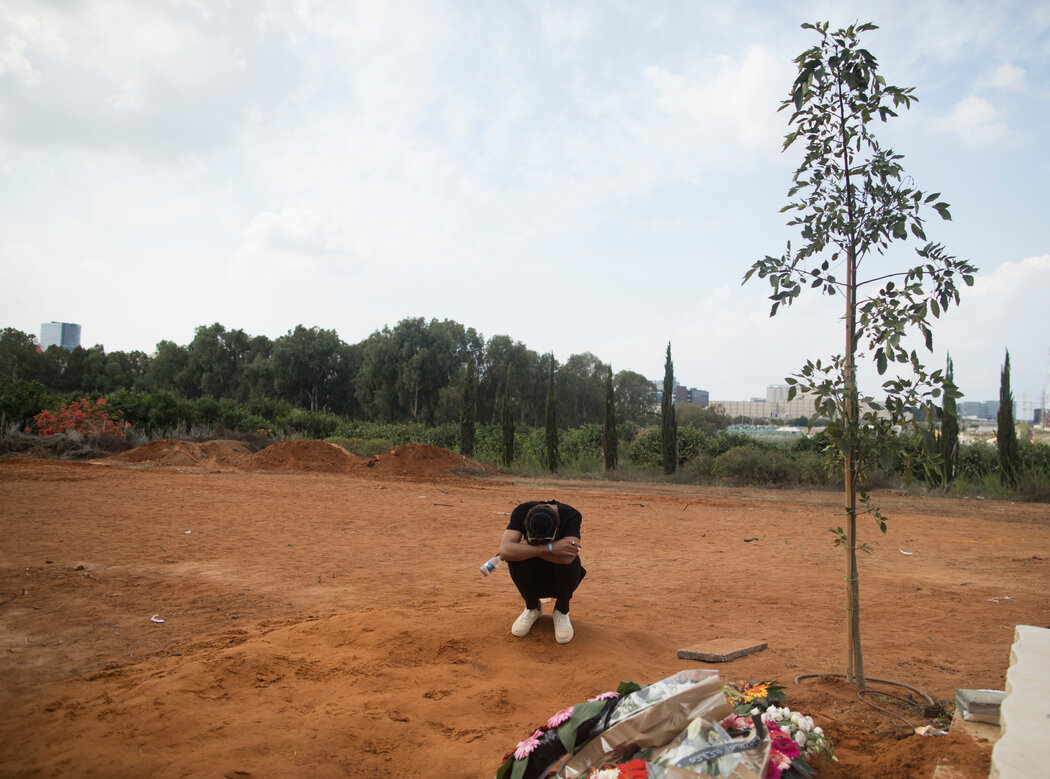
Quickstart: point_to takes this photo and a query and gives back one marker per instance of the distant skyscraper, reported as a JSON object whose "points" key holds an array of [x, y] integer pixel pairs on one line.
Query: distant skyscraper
{"points": [[64, 334]]}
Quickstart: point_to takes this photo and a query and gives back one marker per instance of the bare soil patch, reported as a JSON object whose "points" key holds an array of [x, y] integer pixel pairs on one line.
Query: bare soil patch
{"points": [[324, 614]]}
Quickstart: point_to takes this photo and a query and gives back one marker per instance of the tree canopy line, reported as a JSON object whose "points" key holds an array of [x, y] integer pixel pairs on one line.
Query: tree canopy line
{"points": [[416, 371]]}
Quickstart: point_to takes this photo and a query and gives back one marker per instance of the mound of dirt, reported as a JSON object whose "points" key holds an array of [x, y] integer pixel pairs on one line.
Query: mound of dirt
{"points": [[210, 455], [188, 454], [313, 456], [424, 461], [411, 461]]}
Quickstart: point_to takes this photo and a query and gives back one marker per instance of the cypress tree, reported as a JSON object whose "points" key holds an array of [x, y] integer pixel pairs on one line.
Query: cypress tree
{"points": [[668, 424], [610, 444], [1006, 433], [949, 429], [469, 410], [552, 422], [507, 424]]}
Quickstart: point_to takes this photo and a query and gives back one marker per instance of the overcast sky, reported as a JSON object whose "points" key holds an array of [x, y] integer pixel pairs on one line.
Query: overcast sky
{"points": [[580, 176]]}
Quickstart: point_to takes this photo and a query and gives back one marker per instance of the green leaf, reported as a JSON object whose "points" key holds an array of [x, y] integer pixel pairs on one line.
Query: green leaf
{"points": [[942, 209], [519, 769], [581, 712], [886, 459], [880, 360]]}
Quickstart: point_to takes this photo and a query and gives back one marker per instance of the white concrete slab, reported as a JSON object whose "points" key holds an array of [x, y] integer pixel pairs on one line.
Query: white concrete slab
{"points": [[1024, 717]]}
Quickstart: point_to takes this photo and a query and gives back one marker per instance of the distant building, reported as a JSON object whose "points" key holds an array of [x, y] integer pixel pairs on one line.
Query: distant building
{"points": [[777, 393], [690, 395], [973, 409], [64, 334]]}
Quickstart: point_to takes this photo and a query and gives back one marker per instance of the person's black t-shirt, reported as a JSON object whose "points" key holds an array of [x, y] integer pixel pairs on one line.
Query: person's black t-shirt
{"points": [[569, 519]]}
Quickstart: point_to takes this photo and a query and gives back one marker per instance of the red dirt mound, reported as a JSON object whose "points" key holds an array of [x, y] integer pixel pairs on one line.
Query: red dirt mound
{"points": [[316, 456], [424, 461], [411, 461], [212, 455]]}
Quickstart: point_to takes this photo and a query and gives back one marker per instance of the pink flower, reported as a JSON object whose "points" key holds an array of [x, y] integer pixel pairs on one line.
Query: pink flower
{"points": [[736, 722], [526, 747], [605, 696], [786, 746], [559, 718]]}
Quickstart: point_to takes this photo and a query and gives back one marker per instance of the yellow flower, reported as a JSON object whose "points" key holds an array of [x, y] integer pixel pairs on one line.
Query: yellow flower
{"points": [[756, 691]]}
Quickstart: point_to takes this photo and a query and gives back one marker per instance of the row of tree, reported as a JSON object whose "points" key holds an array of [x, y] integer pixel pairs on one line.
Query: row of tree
{"points": [[416, 371]]}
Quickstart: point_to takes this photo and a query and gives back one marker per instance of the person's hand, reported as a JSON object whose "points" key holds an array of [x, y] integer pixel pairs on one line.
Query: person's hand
{"points": [[565, 550]]}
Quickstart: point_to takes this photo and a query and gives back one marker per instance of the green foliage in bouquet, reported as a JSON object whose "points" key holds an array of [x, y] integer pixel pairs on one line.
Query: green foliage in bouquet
{"points": [[754, 695]]}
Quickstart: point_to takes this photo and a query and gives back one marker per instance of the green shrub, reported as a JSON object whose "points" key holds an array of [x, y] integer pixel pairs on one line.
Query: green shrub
{"points": [[976, 461], [751, 464]]}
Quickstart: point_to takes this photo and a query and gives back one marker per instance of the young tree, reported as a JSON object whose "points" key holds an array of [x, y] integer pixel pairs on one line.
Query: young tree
{"points": [[468, 410], [610, 444], [551, 416], [668, 423], [852, 199], [1006, 433], [949, 430], [507, 423]]}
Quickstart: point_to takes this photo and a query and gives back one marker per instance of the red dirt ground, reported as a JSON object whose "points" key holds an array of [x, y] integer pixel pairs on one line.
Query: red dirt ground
{"points": [[324, 614]]}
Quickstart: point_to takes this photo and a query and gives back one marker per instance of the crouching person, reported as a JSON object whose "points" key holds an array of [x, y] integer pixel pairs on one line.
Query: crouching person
{"points": [[541, 546]]}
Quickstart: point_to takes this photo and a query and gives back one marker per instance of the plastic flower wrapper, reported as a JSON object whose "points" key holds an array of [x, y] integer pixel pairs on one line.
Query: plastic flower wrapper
{"points": [[653, 693], [700, 734]]}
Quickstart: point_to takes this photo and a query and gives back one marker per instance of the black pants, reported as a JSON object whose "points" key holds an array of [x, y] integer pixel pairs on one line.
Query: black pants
{"points": [[536, 578]]}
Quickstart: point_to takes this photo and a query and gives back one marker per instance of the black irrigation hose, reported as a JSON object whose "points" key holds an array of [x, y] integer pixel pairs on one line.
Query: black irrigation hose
{"points": [[860, 693]]}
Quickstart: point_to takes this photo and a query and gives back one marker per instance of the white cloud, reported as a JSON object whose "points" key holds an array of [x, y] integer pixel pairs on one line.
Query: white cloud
{"points": [[1007, 76], [564, 25], [976, 122], [158, 79], [291, 243], [1005, 309], [730, 107]]}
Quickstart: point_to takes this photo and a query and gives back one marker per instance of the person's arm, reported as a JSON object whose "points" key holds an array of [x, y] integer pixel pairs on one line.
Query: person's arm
{"points": [[563, 551]]}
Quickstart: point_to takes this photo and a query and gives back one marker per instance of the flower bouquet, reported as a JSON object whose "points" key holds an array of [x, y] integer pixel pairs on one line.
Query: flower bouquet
{"points": [[608, 738], [682, 726], [795, 742]]}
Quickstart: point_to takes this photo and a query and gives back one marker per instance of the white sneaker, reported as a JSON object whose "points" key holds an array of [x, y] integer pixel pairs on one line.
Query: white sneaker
{"points": [[523, 624], [562, 628]]}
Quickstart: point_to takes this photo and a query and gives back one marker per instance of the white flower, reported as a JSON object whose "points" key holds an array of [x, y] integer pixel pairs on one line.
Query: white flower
{"points": [[754, 712], [800, 738], [818, 731]]}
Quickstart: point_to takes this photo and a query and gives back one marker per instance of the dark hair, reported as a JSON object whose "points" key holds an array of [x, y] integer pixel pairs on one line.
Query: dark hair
{"points": [[541, 524]]}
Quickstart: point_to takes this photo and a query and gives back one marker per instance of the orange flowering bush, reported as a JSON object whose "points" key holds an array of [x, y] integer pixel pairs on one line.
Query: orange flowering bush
{"points": [[82, 416]]}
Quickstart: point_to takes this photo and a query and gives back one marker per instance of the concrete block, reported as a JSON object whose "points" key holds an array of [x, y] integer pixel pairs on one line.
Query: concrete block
{"points": [[1024, 716], [721, 650]]}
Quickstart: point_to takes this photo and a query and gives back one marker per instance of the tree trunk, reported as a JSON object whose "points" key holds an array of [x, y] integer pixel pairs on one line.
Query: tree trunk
{"points": [[854, 655]]}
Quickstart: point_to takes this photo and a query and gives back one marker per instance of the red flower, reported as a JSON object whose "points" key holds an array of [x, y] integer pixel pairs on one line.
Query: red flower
{"points": [[634, 769]]}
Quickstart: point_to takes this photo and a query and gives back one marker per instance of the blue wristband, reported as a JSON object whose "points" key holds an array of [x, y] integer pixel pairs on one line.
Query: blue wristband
{"points": [[550, 549]]}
